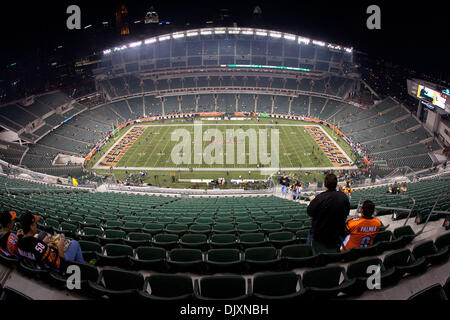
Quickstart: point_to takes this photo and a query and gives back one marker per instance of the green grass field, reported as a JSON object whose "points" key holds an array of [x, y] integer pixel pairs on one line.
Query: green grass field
{"points": [[153, 149]]}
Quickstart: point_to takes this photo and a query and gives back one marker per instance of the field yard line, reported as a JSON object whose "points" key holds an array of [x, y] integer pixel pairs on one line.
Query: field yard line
{"points": [[286, 152], [167, 143], [155, 148], [300, 137]]}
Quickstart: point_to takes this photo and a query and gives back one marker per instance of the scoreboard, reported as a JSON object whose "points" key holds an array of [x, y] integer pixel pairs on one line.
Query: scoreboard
{"points": [[430, 95]]}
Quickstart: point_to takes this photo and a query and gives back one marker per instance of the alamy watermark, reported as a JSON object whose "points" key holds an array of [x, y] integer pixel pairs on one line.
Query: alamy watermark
{"points": [[227, 147], [374, 280], [374, 20]]}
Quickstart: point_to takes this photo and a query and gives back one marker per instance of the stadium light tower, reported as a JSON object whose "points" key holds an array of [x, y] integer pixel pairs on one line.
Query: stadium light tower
{"points": [[122, 19]]}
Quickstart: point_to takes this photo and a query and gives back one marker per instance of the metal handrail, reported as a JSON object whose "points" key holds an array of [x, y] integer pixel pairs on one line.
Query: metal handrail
{"points": [[444, 194], [401, 196]]}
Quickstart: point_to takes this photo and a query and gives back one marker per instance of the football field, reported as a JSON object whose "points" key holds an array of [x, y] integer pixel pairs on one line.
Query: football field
{"points": [[224, 146]]}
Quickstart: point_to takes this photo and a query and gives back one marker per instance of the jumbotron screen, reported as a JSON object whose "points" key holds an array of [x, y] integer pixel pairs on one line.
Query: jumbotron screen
{"points": [[436, 98], [430, 97]]}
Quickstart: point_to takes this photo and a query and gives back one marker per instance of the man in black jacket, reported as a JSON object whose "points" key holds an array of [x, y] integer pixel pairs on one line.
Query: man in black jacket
{"points": [[329, 211]]}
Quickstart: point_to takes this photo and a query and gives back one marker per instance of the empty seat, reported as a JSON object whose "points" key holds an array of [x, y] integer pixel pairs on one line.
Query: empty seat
{"points": [[431, 293], [223, 260], [89, 249], [325, 282], [224, 228], [150, 258], [117, 283], [186, 260], [223, 241], [176, 228], [442, 241], [200, 228], [403, 263], [221, 288], [138, 239], [402, 236], [113, 236], [431, 254], [261, 259], [298, 256], [115, 255], [249, 240], [168, 287], [280, 239], [195, 241], [276, 286], [166, 240], [247, 227], [360, 271], [153, 228]]}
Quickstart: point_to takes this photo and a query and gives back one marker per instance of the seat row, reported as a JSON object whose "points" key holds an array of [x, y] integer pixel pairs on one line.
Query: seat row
{"points": [[241, 259], [118, 230]]}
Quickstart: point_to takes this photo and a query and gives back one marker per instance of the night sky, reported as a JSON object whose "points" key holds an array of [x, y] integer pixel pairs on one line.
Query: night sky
{"points": [[413, 35]]}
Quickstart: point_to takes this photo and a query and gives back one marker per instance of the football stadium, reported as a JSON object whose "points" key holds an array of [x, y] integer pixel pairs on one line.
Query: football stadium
{"points": [[199, 166]]}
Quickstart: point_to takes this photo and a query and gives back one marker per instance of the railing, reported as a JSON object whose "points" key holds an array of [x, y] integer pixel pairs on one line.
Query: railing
{"points": [[373, 198], [443, 195]]}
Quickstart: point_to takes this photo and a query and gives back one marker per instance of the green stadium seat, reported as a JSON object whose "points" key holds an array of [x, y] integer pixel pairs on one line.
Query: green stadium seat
{"points": [[402, 236], [168, 287], [117, 284], [138, 239], [249, 240], [261, 259], [132, 226], [115, 255], [223, 241], [280, 239], [166, 240], [186, 260], [247, 227], [442, 241], [358, 271], [325, 282], [153, 228], [91, 234], [276, 286], [218, 288], [224, 228], [176, 228], [150, 258], [89, 249], [298, 256], [431, 254], [112, 236], [194, 241], [223, 260], [200, 228], [403, 263]]}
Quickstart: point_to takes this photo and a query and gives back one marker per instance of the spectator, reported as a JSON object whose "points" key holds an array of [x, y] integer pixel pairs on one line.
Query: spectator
{"points": [[284, 181], [8, 240], [328, 211], [403, 188], [38, 248], [363, 229]]}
